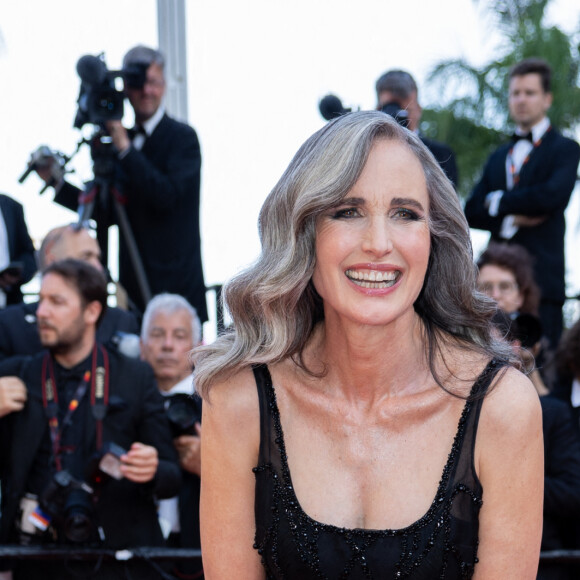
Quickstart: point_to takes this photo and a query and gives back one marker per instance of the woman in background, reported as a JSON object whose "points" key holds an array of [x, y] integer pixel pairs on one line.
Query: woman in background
{"points": [[506, 274]]}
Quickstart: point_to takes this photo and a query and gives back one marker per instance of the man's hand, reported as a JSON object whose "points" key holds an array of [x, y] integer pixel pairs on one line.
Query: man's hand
{"points": [[118, 135], [140, 463], [189, 450], [12, 395], [526, 221]]}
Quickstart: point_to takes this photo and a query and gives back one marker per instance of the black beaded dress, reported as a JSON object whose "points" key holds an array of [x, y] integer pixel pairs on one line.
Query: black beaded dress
{"points": [[440, 545]]}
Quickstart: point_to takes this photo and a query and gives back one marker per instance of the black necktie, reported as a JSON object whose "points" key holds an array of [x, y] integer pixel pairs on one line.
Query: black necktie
{"points": [[527, 137]]}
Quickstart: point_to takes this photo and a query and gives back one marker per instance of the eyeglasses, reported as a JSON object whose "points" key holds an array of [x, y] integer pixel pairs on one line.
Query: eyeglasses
{"points": [[503, 287]]}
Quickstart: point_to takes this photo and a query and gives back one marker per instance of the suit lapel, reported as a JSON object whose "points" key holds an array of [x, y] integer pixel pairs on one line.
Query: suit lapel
{"points": [[149, 144], [537, 156]]}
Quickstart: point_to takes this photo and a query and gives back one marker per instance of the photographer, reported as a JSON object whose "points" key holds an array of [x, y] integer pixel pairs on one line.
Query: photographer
{"points": [[396, 92], [170, 330], [84, 460], [159, 164], [18, 328]]}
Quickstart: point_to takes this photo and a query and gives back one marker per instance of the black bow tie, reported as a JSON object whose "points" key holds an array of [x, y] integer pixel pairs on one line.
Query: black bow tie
{"points": [[526, 136], [136, 130]]}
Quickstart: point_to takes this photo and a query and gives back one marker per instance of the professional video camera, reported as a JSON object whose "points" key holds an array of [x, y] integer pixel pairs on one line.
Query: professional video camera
{"points": [[99, 99], [394, 110], [331, 107], [183, 412]]}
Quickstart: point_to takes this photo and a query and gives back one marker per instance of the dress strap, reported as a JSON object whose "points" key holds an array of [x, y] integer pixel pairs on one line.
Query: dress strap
{"points": [[265, 397], [465, 466], [483, 382]]}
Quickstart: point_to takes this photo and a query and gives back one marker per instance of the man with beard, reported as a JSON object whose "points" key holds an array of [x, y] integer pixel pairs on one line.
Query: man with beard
{"points": [[18, 328], [84, 459]]}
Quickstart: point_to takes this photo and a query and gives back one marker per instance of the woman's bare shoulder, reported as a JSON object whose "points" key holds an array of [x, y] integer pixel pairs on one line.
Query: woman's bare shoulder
{"points": [[511, 412], [234, 396], [511, 398]]}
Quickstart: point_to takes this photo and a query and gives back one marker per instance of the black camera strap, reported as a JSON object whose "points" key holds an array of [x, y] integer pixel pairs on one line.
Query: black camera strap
{"points": [[97, 377]]}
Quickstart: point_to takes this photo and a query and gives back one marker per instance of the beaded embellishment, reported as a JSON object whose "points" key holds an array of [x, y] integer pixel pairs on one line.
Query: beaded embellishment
{"points": [[432, 538]]}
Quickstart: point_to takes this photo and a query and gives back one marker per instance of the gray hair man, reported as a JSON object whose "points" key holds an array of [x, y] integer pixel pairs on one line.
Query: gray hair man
{"points": [[170, 330]]}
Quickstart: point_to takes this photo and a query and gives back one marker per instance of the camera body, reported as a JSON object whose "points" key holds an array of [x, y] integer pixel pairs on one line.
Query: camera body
{"points": [[99, 99], [183, 412], [69, 502], [66, 507], [394, 110]]}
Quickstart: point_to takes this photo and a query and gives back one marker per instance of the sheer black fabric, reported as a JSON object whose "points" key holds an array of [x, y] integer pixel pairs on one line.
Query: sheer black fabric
{"points": [[441, 544]]}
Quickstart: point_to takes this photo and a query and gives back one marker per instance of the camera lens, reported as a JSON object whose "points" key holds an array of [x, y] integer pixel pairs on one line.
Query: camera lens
{"points": [[78, 523], [182, 413]]}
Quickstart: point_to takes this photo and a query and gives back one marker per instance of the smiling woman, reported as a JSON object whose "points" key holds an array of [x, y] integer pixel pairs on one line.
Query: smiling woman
{"points": [[376, 242], [359, 364]]}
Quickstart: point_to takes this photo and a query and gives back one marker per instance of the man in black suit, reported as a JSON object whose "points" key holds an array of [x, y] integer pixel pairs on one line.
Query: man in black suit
{"points": [[159, 175], [81, 399], [170, 330], [526, 186], [17, 263], [398, 87], [18, 329]]}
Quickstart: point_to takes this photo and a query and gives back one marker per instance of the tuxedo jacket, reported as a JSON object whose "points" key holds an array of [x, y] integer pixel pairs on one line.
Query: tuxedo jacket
{"points": [[544, 188], [444, 156], [19, 333], [161, 184], [125, 510], [20, 246]]}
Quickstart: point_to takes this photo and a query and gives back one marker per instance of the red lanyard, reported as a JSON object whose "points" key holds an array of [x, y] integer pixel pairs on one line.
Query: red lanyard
{"points": [[98, 377], [516, 174]]}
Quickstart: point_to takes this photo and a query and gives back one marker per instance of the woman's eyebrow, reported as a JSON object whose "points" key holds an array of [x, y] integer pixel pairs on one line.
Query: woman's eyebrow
{"points": [[408, 201], [356, 201]]}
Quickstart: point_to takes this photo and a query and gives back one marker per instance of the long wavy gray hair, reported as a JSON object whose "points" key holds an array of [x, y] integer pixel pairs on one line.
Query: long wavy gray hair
{"points": [[273, 304]]}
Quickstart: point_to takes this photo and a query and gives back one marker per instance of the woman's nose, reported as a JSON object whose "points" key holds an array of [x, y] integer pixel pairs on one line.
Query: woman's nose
{"points": [[377, 239]]}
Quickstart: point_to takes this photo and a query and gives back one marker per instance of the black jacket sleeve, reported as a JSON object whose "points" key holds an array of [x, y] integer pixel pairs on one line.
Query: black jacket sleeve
{"points": [[562, 460]]}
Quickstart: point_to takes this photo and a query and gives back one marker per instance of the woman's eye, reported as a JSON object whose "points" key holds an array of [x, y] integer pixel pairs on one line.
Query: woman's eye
{"points": [[349, 212], [405, 214]]}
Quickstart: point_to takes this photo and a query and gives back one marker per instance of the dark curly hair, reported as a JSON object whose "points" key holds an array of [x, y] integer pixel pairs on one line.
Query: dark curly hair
{"points": [[517, 260]]}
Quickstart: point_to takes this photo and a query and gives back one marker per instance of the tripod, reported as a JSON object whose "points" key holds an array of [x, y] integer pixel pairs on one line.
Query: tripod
{"points": [[102, 194]]}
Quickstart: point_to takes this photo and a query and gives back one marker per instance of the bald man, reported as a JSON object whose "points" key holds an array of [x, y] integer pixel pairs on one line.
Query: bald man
{"points": [[18, 332]]}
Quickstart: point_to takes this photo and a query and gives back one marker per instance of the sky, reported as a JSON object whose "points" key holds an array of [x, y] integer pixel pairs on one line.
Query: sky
{"points": [[256, 71]]}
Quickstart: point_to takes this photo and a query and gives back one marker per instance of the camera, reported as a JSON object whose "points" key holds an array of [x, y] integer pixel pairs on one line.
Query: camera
{"points": [[99, 99], [183, 412], [394, 110], [66, 507], [70, 503]]}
